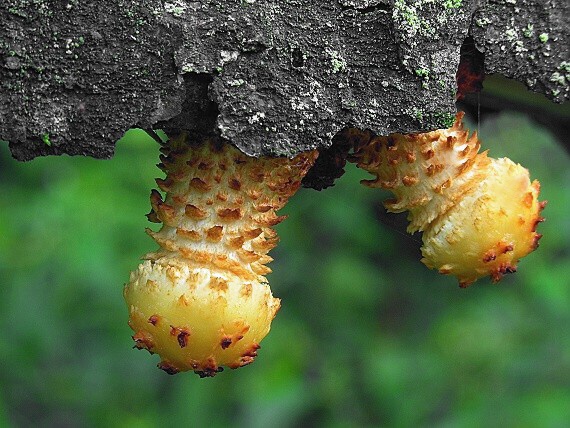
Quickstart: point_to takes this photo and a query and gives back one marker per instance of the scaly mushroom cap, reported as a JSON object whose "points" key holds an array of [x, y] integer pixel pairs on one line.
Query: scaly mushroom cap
{"points": [[202, 301], [478, 214], [490, 229], [196, 318]]}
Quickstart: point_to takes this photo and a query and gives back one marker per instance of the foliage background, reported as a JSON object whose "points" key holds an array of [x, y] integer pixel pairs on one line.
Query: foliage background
{"points": [[366, 336]]}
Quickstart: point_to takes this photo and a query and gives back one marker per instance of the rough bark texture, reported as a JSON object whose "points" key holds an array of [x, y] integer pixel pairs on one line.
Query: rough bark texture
{"points": [[272, 77]]}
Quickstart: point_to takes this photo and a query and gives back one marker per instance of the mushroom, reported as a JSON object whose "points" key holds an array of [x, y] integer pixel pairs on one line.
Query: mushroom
{"points": [[478, 215], [201, 301]]}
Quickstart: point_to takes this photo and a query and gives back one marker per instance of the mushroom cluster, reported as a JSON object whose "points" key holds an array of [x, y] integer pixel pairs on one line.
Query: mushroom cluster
{"points": [[201, 301], [478, 215]]}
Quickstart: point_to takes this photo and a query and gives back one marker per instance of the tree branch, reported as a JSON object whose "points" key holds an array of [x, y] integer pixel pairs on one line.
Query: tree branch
{"points": [[274, 78]]}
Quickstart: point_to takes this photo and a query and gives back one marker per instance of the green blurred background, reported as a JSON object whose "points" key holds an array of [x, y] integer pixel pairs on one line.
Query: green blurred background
{"points": [[366, 336]]}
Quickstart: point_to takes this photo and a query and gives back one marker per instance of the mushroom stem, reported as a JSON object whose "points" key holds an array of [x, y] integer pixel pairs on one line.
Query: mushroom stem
{"points": [[201, 301], [478, 214]]}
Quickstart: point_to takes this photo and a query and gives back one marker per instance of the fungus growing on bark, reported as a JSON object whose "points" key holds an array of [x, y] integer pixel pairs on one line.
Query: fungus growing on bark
{"points": [[478, 214], [201, 301]]}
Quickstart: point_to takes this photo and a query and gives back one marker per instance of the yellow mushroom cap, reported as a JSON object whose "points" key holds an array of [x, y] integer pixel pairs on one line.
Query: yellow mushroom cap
{"points": [[489, 229], [197, 318]]}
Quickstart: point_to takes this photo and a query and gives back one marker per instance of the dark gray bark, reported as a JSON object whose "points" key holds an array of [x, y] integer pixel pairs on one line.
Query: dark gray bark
{"points": [[272, 77]]}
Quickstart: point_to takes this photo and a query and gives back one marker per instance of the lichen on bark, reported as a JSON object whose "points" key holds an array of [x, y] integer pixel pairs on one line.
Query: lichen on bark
{"points": [[273, 78]]}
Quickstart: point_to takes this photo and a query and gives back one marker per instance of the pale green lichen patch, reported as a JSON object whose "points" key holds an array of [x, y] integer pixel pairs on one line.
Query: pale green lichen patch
{"points": [[176, 8], [46, 140], [452, 4], [418, 114], [528, 31], [446, 118], [337, 61], [517, 44], [482, 22], [30, 8], [410, 14], [236, 82], [558, 78], [511, 34], [561, 78], [424, 74], [439, 119], [71, 44]]}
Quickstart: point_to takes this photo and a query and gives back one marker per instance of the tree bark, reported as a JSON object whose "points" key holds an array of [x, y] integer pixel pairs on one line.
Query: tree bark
{"points": [[272, 77]]}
